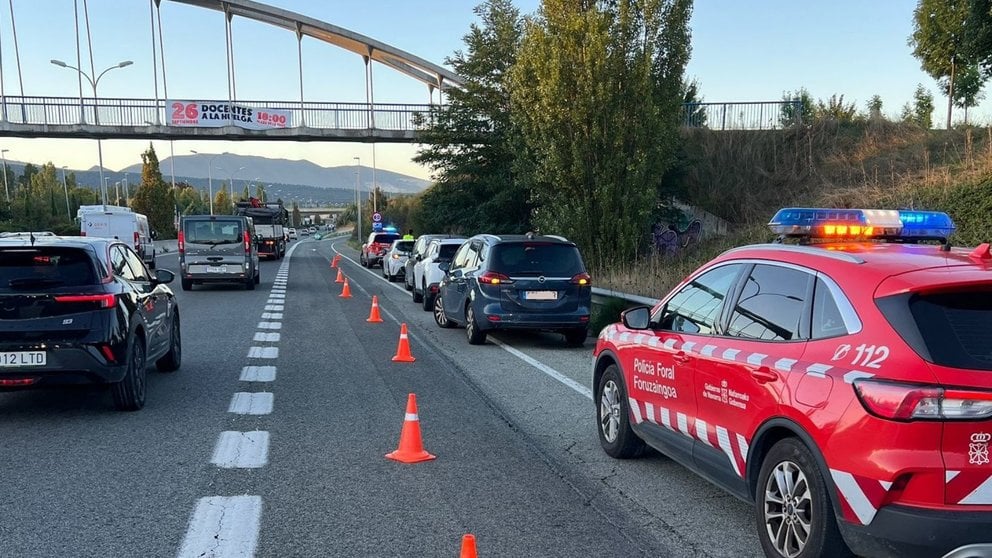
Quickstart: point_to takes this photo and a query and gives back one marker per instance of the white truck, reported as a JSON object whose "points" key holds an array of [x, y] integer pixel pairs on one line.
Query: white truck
{"points": [[122, 223]]}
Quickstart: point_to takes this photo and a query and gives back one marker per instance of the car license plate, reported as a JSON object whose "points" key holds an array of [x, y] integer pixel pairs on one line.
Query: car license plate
{"points": [[217, 269], [541, 295], [23, 358]]}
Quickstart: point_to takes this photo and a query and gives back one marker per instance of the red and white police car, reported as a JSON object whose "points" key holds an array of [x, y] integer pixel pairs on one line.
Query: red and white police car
{"points": [[842, 384]]}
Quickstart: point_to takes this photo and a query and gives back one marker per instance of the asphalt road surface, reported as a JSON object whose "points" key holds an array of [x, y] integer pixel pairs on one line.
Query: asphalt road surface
{"points": [[270, 441]]}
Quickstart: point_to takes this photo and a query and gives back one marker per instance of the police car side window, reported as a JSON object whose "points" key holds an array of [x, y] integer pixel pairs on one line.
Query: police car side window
{"points": [[827, 318], [696, 308], [771, 304]]}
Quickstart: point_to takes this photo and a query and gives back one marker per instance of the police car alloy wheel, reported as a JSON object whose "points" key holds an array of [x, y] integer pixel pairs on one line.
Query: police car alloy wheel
{"points": [[613, 417], [794, 512]]}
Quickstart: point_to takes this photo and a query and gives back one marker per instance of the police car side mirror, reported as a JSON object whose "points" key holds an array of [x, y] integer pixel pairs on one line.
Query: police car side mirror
{"points": [[636, 318]]}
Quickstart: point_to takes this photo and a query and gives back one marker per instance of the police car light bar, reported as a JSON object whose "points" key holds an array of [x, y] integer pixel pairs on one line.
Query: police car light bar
{"points": [[848, 224]]}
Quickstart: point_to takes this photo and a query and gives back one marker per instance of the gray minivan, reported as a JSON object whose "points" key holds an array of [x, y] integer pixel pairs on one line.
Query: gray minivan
{"points": [[218, 249]]}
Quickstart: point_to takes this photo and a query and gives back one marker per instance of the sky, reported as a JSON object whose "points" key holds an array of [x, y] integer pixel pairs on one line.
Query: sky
{"points": [[741, 51]]}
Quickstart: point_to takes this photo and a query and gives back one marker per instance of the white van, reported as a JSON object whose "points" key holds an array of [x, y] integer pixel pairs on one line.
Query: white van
{"points": [[112, 221]]}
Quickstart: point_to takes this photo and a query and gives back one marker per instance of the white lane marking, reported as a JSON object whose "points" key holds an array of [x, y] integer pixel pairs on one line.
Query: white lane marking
{"points": [[556, 375], [274, 307], [241, 450], [245, 403], [258, 374], [277, 295], [272, 316], [275, 301], [263, 337], [223, 527], [263, 352], [269, 325]]}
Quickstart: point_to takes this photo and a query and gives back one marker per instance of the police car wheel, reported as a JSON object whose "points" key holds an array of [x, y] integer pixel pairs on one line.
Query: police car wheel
{"points": [[613, 417], [794, 513]]}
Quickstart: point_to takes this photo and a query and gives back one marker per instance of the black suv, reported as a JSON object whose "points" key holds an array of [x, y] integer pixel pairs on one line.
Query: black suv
{"points": [[516, 282], [76, 310]]}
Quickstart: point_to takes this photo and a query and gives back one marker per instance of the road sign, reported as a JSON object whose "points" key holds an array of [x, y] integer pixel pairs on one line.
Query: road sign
{"points": [[377, 217], [377, 226]]}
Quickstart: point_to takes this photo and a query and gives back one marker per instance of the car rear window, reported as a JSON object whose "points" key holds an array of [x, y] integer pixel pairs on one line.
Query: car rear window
{"points": [[404, 246], [951, 328], [535, 258], [447, 251], [385, 238], [45, 267], [220, 231]]}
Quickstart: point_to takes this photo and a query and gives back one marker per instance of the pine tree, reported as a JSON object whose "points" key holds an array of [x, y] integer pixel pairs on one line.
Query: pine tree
{"points": [[154, 198]]}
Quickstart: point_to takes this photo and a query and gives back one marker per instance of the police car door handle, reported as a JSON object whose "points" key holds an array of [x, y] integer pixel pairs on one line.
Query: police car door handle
{"points": [[681, 357], [763, 375]]}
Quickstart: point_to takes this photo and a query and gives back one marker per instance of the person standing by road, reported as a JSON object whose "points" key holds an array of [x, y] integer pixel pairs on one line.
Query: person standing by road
{"points": [[409, 235]]}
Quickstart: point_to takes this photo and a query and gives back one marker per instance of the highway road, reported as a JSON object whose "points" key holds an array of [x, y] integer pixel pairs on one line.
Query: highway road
{"points": [[270, 440]]}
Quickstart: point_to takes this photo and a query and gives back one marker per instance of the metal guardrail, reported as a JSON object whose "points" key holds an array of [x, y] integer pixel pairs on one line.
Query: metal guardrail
{"points": [[752, 115], [73, 111], [603, 294]]}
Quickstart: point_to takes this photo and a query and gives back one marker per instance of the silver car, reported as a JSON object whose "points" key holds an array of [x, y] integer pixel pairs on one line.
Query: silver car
{"points": [[218, 249], [394, 262]]}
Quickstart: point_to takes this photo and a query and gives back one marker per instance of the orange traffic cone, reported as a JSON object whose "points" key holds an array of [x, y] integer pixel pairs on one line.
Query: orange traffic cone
{"points": [[468, 547], [345, 290], [340, 278], [411, 449], [337, 258], [403, 348], [374, 313]]}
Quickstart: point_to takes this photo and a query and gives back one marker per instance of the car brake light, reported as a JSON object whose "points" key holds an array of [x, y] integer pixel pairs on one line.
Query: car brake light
{"points": [[582, 280], [11, 382], [137, 241], [905, 402], [493, 278], [107, 353], [182, 242], [247, 242], [105, 300]]}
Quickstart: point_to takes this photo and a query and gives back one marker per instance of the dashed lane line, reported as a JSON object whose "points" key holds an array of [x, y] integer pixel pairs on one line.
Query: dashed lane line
{"points": [[251, 403], [263, 352], [263, 337], [241, 450], [223, 527], [258, 374]]}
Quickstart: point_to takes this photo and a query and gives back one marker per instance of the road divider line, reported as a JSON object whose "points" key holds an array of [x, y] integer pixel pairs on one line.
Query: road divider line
{"points": [[272, 316], [276, 295], [241, 450], [549, 371], [263, 352], [251, 403], [269, 325], [274, 307], [223, 527], [264, 337], [258, 374]]}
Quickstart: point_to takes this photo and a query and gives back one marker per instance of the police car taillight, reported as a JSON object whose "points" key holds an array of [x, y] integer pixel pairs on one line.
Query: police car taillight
{"points": [[906, 402]]}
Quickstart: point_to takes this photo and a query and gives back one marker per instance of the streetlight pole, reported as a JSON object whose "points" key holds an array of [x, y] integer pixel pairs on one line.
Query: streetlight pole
{"points": [[117, 192], [3, 153], [65, 188], [96, 113], [127, 192], [210, 178], [358, 201]]}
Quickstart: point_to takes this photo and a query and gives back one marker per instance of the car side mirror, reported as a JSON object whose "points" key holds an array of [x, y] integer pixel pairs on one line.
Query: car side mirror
{"points": [[636, 318], [444, 266], [164, 276], [154, 235]]}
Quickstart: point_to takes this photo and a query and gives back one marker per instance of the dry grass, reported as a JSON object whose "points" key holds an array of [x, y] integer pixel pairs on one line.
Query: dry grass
{"points": [[744, 176]]}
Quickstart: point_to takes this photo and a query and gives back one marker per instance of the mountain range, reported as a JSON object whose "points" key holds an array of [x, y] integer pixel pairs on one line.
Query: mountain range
{"points": [[301, 181]]}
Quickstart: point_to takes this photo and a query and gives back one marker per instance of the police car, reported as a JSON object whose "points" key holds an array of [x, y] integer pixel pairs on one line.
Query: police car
{"points": [[838, 379]]}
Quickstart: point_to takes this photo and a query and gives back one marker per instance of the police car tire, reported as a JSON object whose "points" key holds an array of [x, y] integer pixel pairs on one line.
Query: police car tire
{"points": [[626, 445], [824, 538]]}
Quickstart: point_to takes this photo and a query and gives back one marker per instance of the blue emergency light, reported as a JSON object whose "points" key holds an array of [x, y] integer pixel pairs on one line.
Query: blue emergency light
{"points": [[862, 224]]}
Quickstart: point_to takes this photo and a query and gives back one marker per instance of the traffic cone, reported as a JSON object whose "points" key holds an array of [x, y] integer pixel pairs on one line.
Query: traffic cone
{"points": [[411, 448], [337, 258], [403, 348], [468, 547], [340, 278], [374, 313], [345, 290]]}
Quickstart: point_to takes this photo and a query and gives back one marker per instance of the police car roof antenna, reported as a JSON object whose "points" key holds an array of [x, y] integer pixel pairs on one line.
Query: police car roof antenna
{"points": [[946, 245]]}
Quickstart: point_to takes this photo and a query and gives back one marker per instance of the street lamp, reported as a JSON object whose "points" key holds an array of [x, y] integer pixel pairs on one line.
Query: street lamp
{"points": [[358, 202], [3, 153], [96, 114], [210, 178], [65, 188], [117, 192]]}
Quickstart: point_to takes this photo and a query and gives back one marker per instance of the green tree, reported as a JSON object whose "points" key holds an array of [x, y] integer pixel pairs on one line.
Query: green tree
{"points": [[297, 217], [835, 109], [940, 28], [470, 143], [260, 192], [920, 112], [967, 88], [596, 93], [154, 198], [875, 108], [246, 193], [223, 205], [694, 114], [797, 108]]}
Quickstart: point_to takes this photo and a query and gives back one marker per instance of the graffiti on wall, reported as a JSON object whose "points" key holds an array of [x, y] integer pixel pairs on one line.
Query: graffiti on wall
{"points": [[672, 241]]}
